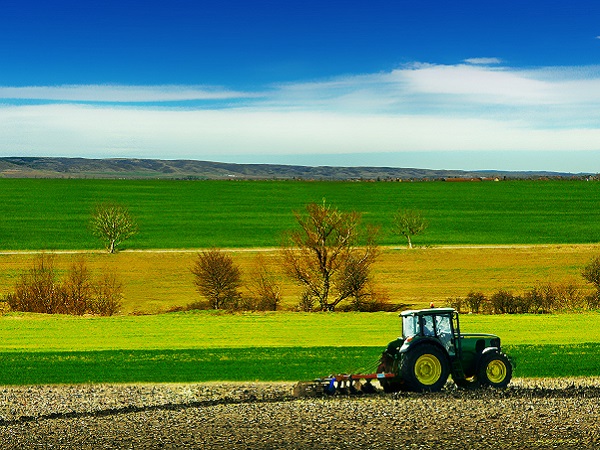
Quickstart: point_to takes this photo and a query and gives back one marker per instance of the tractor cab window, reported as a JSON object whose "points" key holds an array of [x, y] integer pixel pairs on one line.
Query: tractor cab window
{"points": [[410, 326], [428, 327], [443, 325]]}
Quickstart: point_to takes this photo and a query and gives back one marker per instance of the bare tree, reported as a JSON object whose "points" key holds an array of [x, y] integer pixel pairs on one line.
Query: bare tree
{"points": [[263, 287], [409, 223], [112, 224], [38, 289], [217, 278], [108, 295], [324, 255], [591, 273], [78, 289]]}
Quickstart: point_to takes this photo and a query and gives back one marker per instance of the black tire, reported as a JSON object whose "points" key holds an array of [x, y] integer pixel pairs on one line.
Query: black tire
{"points": [[386, 364], [425, 368], [495, 370]]}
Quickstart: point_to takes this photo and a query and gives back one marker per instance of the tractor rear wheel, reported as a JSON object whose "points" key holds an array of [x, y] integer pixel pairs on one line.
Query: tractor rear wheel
{"points": [[495, 370], [425, 368]]}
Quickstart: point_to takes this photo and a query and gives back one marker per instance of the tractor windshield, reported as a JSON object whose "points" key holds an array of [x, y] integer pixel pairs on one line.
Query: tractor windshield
{"points": [[410, 326]]}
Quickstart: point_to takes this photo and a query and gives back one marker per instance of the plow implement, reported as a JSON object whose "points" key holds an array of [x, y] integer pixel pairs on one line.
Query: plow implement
{"points": [[344, 384]]}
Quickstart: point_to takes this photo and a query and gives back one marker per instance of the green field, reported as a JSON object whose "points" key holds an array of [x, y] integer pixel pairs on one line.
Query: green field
{"points": [[53, 214], [193, 347]]}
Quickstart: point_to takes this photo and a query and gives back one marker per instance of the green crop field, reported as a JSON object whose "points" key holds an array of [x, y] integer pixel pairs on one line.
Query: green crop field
{"points": [[53, 214], [192, 347]]}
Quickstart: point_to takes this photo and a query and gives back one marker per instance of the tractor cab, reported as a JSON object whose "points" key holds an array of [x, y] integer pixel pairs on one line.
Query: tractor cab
{"points": [[440, 324]]}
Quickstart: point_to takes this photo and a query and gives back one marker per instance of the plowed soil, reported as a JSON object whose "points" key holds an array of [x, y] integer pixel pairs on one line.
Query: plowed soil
{"points": [[529, 414]]}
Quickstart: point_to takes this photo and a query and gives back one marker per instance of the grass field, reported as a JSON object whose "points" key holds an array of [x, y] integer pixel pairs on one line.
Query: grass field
{"points": [[248, 216], [186, 347], [53, 214]]}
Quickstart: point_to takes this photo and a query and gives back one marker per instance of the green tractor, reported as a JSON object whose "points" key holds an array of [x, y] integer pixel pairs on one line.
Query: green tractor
{"points": [[432, 348]]}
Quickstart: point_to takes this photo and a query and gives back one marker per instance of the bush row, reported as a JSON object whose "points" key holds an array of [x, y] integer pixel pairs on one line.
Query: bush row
{"points": [[41, 290], [545, 298]]}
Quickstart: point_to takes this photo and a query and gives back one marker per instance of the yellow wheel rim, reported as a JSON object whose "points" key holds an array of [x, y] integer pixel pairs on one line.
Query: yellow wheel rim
{"points": [[496, 371], [428, 369]]}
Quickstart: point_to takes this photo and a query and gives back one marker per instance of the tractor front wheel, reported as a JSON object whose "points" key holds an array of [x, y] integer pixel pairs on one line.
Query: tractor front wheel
{"points": [[425, 368], [495, 370]]}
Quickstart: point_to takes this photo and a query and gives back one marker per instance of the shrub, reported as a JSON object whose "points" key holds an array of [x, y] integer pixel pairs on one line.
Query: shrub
{"points": [[5, 306], [108, 294], [549, 297], [40, 290], [504, 302], [591, 272], [217, 279], [265, 292], [475, 301], [592, 301], [537, 300], [77, 290], [456, 303], [568, 296]]}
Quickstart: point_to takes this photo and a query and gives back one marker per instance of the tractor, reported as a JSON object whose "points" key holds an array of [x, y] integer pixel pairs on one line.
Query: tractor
{"points": [[432, 348]]}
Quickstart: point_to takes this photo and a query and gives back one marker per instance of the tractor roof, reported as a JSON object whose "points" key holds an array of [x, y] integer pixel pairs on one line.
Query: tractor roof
{"points": [[427, 312]]}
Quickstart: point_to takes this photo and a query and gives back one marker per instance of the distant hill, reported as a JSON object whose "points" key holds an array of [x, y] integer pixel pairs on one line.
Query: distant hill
{"points": [[31, 167]]}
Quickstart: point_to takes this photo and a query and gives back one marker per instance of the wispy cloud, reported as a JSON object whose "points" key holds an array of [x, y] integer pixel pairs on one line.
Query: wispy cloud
{"points": [[544, 97], [416, 107], [479, 84], [120, 94], [483, 61]]}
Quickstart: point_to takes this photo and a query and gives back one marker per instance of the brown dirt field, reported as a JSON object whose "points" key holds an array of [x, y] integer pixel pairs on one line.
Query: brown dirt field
{"points": [[158, 280], [529, 414]]}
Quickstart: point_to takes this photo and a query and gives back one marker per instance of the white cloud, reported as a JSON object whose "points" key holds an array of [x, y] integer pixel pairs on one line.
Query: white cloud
{"points": [[76, 130], [483, 61], [119, 94], [481, 84], [415, 108]]}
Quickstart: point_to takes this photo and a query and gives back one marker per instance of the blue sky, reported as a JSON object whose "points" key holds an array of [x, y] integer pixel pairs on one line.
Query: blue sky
{"points": [[507, 85]]}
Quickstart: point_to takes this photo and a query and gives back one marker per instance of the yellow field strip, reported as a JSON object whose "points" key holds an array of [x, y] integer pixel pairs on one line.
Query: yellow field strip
{"points": [[160, 279]]}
